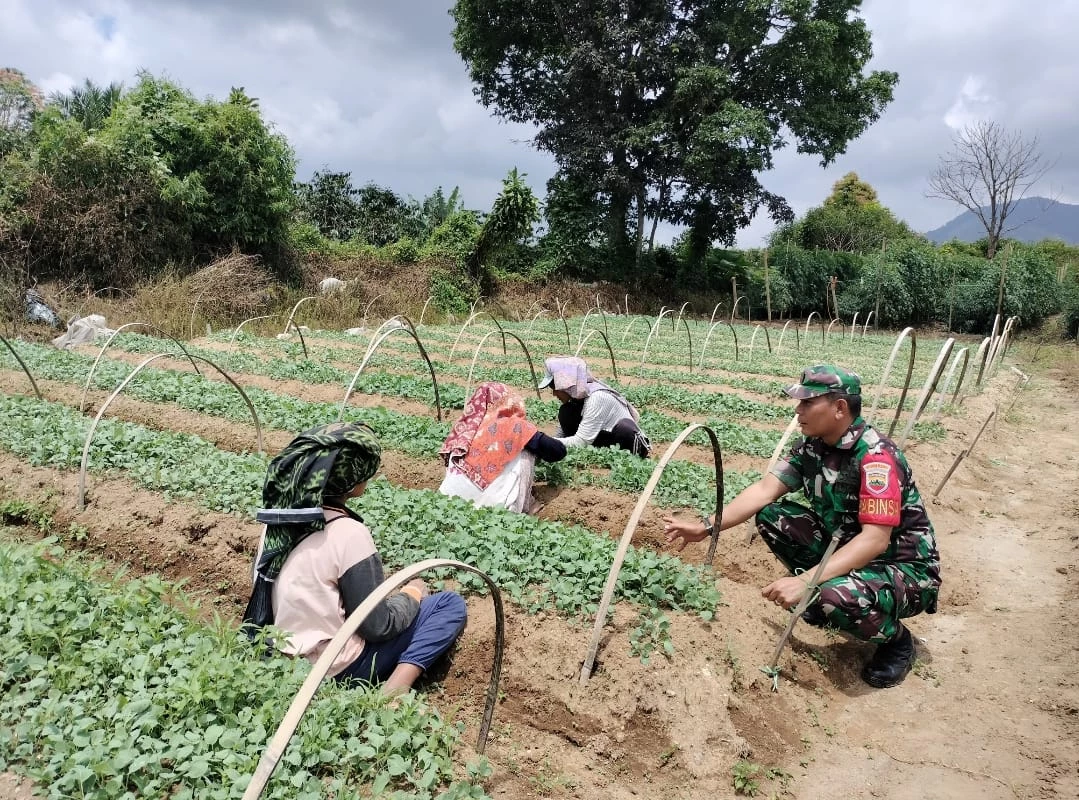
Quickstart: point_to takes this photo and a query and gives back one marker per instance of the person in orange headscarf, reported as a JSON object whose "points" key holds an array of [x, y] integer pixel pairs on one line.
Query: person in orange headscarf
{"points": [[491, 453]]}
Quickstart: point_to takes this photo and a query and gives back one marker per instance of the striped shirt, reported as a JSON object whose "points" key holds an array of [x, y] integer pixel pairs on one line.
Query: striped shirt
{"points": [[601, 412]]}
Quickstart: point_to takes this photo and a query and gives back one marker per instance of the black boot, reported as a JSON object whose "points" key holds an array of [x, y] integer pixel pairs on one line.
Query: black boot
{"points": [[814, 615], [892, 661]]}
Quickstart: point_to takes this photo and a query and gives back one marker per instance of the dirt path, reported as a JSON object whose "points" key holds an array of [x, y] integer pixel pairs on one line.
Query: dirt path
{"points": [[996, 712]]}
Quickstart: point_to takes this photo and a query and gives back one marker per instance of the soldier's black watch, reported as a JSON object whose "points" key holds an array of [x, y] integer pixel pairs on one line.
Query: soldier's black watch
{"points": [[709, 526]]}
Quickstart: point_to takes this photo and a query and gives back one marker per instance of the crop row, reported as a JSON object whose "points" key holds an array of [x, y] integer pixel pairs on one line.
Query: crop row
{"points": [[683, 484], [537, 563], [417, 386], [113, 693]]}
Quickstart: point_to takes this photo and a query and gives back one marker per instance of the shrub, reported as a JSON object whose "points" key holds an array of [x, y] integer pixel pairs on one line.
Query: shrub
{"points": [[452, 291]]}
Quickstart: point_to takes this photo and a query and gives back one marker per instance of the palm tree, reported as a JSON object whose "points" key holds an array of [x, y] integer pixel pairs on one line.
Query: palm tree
{"points": [[89, 104]]}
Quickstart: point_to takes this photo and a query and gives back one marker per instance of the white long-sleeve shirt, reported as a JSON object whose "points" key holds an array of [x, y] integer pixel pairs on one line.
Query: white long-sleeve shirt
{"points": [[601, 412]]}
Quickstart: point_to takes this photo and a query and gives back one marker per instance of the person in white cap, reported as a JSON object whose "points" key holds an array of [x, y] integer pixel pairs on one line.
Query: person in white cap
{"points": [[592, 413]]}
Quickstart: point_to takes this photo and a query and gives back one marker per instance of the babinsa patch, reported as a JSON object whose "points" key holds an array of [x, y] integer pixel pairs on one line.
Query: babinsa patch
{"points": [[876, 476]]}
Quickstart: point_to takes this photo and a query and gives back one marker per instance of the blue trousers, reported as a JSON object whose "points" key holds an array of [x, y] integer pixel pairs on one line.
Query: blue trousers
{"points": [[436, 627]]}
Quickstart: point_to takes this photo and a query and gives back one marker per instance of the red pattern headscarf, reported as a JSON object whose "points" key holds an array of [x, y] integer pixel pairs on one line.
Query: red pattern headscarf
{"points": [[491, 433]]}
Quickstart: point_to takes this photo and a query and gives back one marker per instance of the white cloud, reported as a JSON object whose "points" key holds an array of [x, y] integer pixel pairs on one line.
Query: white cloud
{"points": [[973, 104]]}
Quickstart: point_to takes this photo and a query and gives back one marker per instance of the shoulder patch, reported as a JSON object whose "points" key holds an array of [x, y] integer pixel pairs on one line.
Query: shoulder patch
{"points": [[877, 475]]}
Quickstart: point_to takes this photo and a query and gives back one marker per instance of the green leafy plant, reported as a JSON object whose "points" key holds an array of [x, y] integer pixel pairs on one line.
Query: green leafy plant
{"points": [[743, 778]]}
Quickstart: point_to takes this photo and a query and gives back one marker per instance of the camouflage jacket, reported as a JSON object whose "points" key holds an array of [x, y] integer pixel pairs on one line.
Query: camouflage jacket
{"points": [[864, 478]]}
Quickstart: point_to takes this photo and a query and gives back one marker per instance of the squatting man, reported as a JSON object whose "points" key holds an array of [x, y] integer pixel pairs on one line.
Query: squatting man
{"points": [[859, 487]]}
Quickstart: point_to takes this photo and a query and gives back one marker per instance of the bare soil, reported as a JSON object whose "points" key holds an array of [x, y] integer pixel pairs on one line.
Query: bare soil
{"points": [[991, 710]]}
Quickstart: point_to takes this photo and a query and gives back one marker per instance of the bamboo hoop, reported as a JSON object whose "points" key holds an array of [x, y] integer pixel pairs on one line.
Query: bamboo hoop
{"points": [[787, 433], [498, 325], [81, 498], [371, 351], [475, 356], [424, 309], [805, 334], [753, 339], [888, 370], [782, 333], [681, 311], [927, 389], [663, 311], [803, 603], [853, 326], [734, 308], [104, 347], [714, 310], [631, 527], [865, 327], [584, 321], [25, 368], [630, 325], [603, 316], [704, 348], [963, 454], [539, 313], [236, 331], [830, 324], [387, 325], [300, 302], [689, 343], [963, 352], [577, 352], [367, 308], [275, 749]]}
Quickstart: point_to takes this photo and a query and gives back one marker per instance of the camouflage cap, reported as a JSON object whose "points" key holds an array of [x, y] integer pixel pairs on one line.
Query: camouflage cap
{"points": [[825, 379]]}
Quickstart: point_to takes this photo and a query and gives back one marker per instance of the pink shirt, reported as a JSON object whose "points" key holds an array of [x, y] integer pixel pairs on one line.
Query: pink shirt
{"points": [[306, 599]]}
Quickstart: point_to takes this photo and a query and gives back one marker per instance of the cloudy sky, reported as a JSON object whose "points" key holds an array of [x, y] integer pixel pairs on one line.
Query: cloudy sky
{"points": [[374, 87]]}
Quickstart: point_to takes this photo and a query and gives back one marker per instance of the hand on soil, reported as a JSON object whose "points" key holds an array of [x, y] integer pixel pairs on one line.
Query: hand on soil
{"points": [[785, 592], [676, 529]]}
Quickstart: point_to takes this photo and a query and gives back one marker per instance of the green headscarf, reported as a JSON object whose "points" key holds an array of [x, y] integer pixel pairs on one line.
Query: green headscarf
{"points": [[320, 465]]}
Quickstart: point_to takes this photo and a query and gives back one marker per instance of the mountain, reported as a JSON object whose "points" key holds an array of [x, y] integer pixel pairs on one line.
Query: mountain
{"points": [[1033, 218]]}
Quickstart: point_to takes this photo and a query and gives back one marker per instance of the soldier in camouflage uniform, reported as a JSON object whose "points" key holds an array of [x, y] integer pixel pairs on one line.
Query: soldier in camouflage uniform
{"points": [[860, 489]]}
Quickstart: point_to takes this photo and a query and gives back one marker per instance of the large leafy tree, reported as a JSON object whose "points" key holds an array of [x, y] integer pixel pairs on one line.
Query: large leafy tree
{"points": [[670, 109]]}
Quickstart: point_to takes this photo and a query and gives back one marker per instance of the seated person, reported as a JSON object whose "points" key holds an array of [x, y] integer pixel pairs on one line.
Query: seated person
{"points": [[592, 413], [491, 453], [315, 569]]}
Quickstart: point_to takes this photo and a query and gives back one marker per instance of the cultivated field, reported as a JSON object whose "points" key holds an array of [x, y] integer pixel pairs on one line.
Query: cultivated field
{"points": [[678, 705]]}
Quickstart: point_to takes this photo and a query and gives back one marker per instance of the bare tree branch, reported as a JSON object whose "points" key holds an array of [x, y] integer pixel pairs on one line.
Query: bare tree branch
{"points": [[989, 170]]}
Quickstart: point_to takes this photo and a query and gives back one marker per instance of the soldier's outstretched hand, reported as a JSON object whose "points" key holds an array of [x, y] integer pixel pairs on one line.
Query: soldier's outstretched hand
{"points": [[683, 532]]}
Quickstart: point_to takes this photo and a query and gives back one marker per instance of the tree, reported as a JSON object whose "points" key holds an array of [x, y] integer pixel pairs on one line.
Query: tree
{"points": [[89, 104], [989, 170], [851, 219], [512, 216], [326, 201], [382, 216], [670, 109], [19, 101]]}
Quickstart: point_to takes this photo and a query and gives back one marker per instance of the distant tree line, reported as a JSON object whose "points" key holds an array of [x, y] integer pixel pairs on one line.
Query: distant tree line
{"points": [[109, 186]]}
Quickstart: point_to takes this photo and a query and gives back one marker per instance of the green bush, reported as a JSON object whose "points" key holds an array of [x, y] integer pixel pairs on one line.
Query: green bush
{"points": [[896, 305], [453, 240], [403, 251], [451, 291], [1031, 292], [807, 273]]}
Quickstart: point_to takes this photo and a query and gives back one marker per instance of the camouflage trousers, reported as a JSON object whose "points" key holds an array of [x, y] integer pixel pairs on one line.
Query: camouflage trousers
{"points": [[868, 602]]}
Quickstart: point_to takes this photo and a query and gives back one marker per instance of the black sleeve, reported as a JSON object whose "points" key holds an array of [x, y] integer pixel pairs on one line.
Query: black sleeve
{"points": [[390, 617], [545, 448]]}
